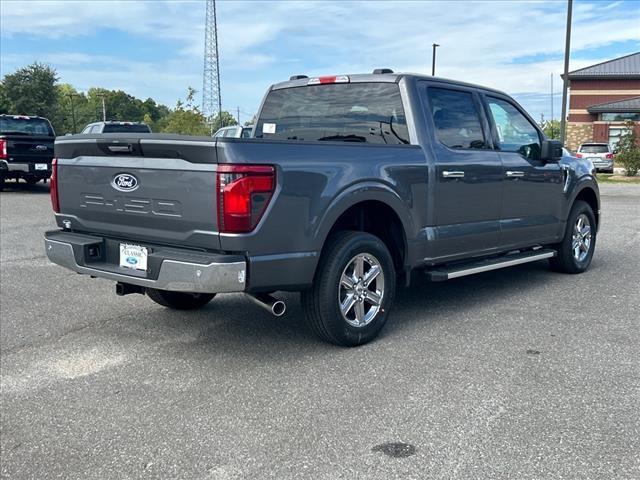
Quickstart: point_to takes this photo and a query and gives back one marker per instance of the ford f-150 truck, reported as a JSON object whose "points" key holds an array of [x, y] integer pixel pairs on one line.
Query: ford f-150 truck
{"points": [[349, 184], [26, 148]]}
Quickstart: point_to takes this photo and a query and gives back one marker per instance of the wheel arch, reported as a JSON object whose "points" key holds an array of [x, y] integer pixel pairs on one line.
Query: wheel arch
{"points": [[588, 193], [371, 208]]}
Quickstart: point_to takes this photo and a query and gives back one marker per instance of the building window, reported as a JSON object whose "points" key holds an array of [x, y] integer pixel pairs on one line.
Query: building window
{"points": [[620, 117], [614, 136]]}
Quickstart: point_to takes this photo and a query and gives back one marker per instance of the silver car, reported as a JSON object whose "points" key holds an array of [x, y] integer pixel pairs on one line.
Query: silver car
{"points": [[236, 131], [599, 153]]}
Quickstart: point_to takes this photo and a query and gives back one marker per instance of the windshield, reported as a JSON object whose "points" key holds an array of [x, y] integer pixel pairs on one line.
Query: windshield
{"points": [[594, 149], [126, 128], [25, 126], [350, 112]]}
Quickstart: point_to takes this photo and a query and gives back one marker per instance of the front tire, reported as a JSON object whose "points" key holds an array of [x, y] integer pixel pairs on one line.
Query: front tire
{"points": [[353, 290], [576, 249], [179, 300]]}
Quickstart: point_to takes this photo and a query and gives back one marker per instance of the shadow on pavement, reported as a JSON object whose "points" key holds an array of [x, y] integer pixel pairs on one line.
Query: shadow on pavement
{"points": [[12, 186], [234, 325]]}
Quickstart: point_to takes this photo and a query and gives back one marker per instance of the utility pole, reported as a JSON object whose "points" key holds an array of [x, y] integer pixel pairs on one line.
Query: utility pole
{"points": [[551, 124], [238, 115], [73, 112], [565, 77], [433, 60], [211, 98], [104, 110]]}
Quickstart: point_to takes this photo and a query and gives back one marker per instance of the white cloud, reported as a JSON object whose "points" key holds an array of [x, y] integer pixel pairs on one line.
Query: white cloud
{"points": [[264, 42]]}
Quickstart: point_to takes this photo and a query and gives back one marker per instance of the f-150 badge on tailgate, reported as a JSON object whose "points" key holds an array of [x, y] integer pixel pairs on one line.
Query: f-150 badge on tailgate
{"points": [[124, 182]]}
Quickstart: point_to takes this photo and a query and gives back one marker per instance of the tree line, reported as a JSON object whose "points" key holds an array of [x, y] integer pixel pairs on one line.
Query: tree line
{"points": [[36, 90]]}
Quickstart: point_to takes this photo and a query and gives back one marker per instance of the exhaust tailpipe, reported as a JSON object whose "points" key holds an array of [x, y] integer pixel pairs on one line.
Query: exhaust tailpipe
{"points": [[266, 301], [127, 289]]}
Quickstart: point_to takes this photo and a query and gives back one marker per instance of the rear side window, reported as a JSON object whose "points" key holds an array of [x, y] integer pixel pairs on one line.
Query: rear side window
{"points": [[594, 149], [456, 119], [126, 128], [25, 126], [349, 112]]}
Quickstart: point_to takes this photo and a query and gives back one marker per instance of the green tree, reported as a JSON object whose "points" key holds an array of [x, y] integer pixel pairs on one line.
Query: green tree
{"points": [[4, 100], [223, 119], [72, 111], [628, 150], [186, 119], [31, 90], [551, 129]]}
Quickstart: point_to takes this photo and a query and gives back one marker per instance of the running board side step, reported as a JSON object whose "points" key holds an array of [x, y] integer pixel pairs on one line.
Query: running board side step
{"points": [[479, 266]]}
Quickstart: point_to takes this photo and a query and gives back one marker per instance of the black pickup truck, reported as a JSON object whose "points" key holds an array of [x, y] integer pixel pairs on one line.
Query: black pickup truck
{"points": [[26, 148], [349, 185]]}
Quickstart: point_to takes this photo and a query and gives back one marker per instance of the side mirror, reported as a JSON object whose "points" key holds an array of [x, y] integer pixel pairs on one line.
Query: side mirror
{"points": [[551, 151]]}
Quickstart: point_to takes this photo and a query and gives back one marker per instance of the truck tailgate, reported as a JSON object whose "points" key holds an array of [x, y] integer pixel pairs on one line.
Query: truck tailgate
{"points": [[139, 188]]}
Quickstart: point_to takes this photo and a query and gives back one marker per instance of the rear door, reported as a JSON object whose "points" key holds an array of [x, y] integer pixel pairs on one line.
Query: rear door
{"points": [[140, 189], [533, 189], [468, 181]]}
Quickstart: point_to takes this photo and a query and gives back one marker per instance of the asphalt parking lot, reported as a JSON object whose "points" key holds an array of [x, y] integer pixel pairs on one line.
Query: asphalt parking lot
{"points": [[520, 374]]}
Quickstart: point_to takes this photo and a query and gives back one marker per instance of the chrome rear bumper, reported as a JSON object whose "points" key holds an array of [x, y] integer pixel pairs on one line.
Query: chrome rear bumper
{"points": [[216, 273]]}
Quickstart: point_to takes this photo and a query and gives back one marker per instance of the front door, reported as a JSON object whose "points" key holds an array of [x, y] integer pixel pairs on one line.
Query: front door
{"points": [[533, 189], [468, 173]]}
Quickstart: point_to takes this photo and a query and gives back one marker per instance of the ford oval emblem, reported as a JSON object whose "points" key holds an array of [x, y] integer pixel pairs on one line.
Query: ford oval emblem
{"points": [[125, 182]]}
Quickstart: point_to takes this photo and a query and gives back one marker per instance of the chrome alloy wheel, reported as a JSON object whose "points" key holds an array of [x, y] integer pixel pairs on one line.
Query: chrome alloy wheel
{"points": [[361, 290], [581, 241]]}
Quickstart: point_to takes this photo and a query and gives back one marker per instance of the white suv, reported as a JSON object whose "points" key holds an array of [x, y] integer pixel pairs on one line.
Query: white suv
{"points": [[599, 153]]}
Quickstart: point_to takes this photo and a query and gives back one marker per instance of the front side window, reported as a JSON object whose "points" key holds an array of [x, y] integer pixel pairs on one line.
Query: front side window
{"points": [[515, 132], [339, 112], [456, 119]]}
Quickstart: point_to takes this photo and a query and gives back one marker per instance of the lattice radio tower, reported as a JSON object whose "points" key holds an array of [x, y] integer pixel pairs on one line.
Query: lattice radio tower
{"points": [[211, 100]]}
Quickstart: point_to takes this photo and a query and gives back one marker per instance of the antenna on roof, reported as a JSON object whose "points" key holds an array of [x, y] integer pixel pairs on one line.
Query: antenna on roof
{"points": [[379, 71]]}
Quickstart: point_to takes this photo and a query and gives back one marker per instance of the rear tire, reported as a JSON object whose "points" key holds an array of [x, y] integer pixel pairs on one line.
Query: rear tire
{"points": [[179, 300], [576, 249], [353, 290]]}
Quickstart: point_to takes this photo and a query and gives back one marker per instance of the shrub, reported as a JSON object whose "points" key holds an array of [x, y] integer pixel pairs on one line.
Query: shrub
{"points": [[629, 151]]}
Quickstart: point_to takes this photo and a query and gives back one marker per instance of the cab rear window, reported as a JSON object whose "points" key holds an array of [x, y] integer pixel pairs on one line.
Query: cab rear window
{"points": [[349, 112], [126, 128], [25, 126]]}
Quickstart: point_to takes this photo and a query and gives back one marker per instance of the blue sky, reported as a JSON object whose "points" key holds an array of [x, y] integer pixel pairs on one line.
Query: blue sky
{"points": [[154, 48]]}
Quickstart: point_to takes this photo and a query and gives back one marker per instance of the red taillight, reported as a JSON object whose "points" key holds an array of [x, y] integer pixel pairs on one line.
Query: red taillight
{"points": [[609, 156], [244, 191], [3, 148], [579, 155], [53, 186]]}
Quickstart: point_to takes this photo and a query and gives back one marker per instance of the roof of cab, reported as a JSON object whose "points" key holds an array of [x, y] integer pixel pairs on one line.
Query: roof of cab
{"points": [[385, 78]]}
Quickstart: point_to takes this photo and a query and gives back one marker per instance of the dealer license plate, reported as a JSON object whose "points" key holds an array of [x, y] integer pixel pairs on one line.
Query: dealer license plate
{"points": [[41, 166], [133, 256]]}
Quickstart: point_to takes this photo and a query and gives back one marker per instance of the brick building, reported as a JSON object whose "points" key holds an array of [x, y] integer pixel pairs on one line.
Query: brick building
{"points": [[602, 98]]}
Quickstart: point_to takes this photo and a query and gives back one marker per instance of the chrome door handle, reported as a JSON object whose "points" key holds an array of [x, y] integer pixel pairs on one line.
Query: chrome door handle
{"points": [[452, 174], [514, 174]]}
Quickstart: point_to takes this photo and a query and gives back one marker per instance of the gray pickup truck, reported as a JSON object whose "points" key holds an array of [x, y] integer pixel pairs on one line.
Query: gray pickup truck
{"points": [[348, 185]]}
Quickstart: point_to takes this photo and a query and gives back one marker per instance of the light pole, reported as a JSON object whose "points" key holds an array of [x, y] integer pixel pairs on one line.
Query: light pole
{"points": [[433, 60], [73, 112], [565, 77]]}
